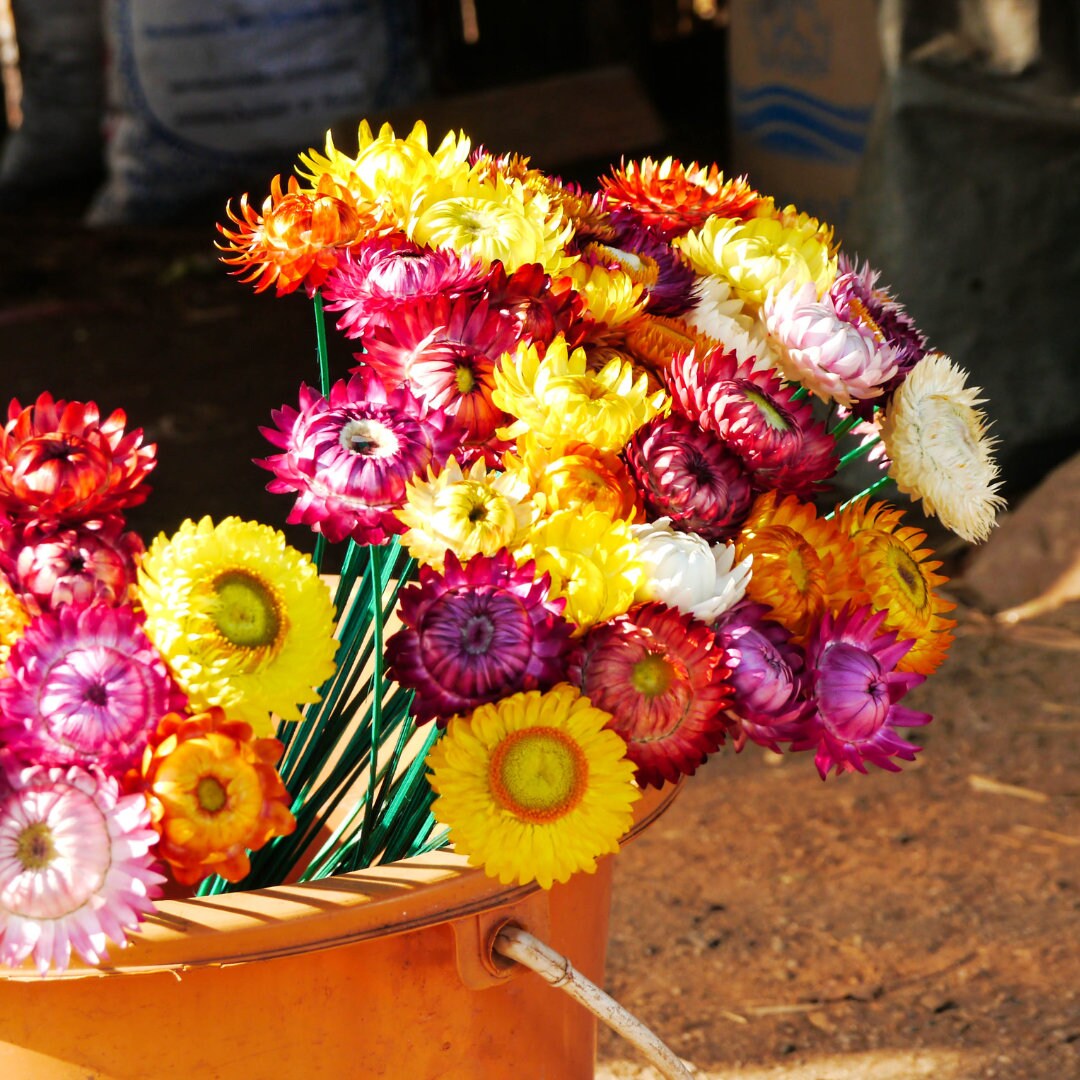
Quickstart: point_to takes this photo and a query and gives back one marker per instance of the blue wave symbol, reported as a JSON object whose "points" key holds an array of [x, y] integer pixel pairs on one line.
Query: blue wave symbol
{"points": [[794, 122]]}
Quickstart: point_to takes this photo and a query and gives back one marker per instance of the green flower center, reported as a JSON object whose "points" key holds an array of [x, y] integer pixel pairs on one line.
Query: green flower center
{"points": [[772, 416], [464, 379], [34, 848], [211, 794], [538, 774], [247, 611], [652, 675]]}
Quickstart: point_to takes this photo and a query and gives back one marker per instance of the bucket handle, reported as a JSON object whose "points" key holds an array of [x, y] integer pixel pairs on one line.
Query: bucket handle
{"points": [[517, 944]]}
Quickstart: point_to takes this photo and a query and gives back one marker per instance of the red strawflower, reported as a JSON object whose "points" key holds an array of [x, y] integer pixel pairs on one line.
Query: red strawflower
{"points": [[664, 680], [757, 416], [60, 460], [690, 476]]}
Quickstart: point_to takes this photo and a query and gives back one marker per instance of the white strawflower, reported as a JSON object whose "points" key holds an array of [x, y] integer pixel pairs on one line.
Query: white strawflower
{"points": [[936, 439], [722, 316], [684, 571]]}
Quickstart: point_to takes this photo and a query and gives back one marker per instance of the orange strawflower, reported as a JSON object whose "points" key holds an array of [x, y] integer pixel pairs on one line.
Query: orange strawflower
{"points": [[656, 341], [296, 237], [900, 581], [214, 794], [674, 198], [804, 566]]}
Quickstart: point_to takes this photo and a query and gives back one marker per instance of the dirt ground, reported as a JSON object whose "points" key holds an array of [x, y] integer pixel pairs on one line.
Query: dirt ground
{"points": [[887, 926]]}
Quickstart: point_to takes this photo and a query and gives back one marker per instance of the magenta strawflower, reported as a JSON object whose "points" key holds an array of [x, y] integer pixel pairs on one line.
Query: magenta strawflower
{"points": [[689, 476], [76, 865], [755, 414], [380, 275], [84, 685], [768, 675], [51, 564], [446, 351], [350, 456], [664, 680], [855, 689], [476, 633]]}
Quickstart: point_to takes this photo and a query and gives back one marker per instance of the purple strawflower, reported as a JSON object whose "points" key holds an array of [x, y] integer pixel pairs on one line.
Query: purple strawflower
{"points": [[476, 633], [854, 691], [768, 673]]}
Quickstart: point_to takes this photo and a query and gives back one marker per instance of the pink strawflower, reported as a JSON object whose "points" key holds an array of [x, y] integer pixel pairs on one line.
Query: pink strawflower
{"points": [[51, 564], [664, 680], [756, 415], [446, 350], [859, 300], [477, 633], [837, 360], [349, 457], [855, 690], [768, 675], [84, 685], [60, 460], [380, 275], [689, 476], [76, 865]]}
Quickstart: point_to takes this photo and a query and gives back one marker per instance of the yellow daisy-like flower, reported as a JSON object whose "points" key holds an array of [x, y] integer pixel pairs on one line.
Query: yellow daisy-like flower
{"points": [[592, 560], [491, 219], [760, 254], [900, 580], [612, 296], [559, 394], [936, 440], [803, 565], [793, 218], [534, 787], [468, 513], [14, 619], [574, 474], [242, 618], [386, 170]]}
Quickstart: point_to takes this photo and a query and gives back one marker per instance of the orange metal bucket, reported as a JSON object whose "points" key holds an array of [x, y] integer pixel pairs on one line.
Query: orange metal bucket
{"points": [[382, 973]]}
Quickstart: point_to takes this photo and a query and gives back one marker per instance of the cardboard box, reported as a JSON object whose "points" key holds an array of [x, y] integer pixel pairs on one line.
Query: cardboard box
{"points": [[804, 79]]}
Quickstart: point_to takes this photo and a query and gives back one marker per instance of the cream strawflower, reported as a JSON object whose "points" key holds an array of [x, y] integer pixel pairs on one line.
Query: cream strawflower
{"points": [[761, 254], [684, 571], [468, 513], [722, 316], [937, 442]]}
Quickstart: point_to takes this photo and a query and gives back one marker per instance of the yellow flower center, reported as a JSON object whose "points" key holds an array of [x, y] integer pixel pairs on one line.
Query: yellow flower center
{"points": [[651, 675], [909, 578], [34, 848], [464, 379], [247, 611], [539, 774], [801, 574], [211, 794]]}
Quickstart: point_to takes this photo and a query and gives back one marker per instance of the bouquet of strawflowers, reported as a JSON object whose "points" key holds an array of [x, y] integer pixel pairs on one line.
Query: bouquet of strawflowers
{"points": [[577, 479]]}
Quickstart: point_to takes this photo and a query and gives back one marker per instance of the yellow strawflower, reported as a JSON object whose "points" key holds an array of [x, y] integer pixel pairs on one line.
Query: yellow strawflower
{"points": [[558, 394], [534, 787]]}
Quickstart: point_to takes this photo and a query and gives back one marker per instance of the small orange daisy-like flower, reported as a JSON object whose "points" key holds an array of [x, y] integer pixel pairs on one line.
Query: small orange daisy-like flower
{"points": [[803, 564], [675, 198], [214, 794], [900, 581], [296, 237], [60, 460]]}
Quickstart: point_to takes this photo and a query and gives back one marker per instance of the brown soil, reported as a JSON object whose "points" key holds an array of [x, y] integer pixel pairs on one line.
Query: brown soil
{"points": [[883, 926]]}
